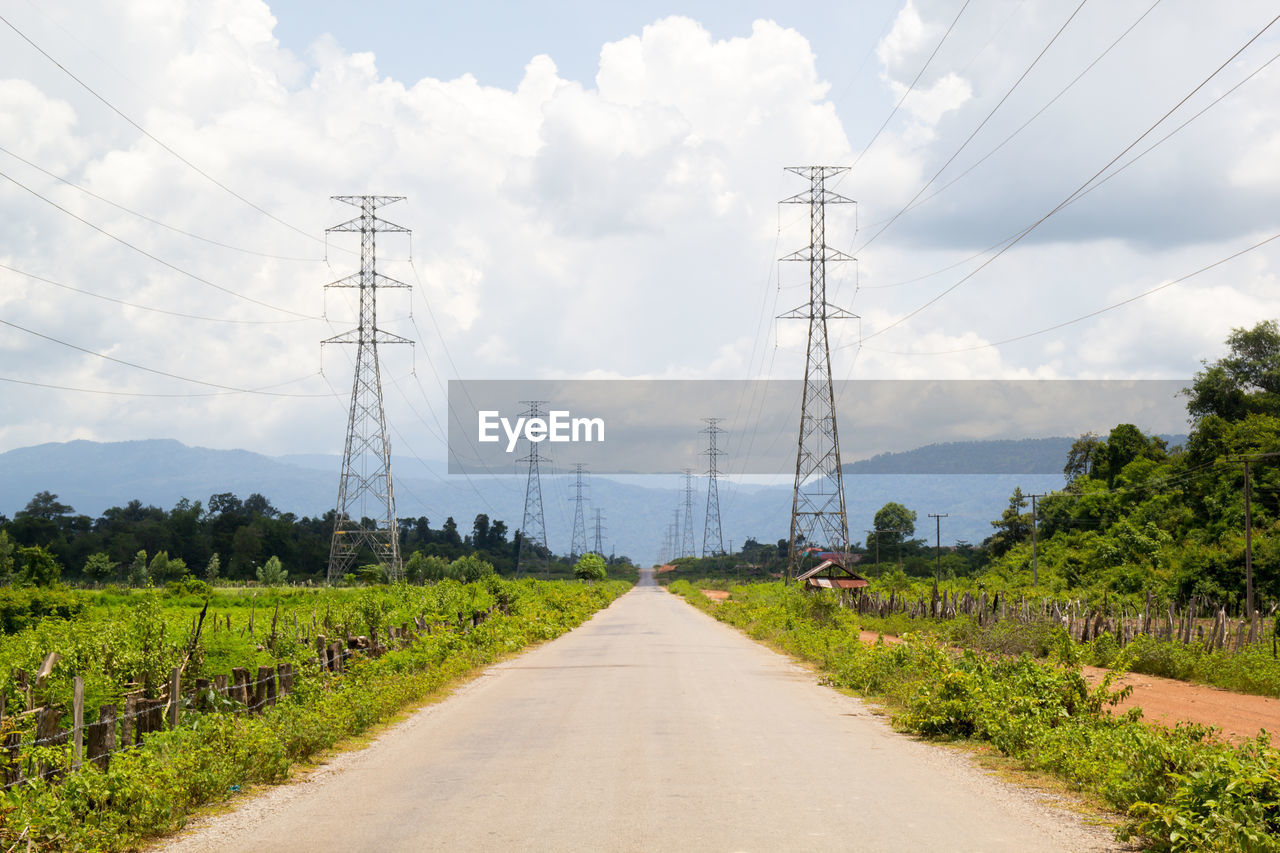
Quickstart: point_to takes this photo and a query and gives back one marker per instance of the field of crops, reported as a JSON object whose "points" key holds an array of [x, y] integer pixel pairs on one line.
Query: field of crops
{"points": [[264, 678]]}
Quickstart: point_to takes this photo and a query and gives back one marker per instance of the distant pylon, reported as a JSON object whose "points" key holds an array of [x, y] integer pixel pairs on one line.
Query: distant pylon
{"points": [[599, 549], [578, 547], [364, 489], [687, 545], [712, 535], [817, 507], [533, 529], [676, 552]]}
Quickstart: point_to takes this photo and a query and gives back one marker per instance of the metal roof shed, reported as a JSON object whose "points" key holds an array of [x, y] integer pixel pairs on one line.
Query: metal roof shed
{"points": [[824, 576]]}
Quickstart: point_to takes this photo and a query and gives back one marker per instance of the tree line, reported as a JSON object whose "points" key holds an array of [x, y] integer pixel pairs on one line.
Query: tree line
{"points": [[228, 538]]}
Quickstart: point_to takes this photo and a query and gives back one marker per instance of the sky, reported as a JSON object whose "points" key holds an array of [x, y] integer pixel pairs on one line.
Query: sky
{"points": [[593, 192]]}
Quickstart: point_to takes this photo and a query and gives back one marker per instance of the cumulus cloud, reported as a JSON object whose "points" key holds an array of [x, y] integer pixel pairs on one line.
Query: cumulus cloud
{"points": [[624, 226]]}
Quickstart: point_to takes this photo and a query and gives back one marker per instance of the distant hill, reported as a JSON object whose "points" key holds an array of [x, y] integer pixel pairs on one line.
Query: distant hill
{"points": [[92, 476], [1007, 456]]}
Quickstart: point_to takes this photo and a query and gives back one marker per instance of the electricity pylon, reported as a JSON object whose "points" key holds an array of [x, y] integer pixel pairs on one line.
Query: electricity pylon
{"points": [[599, 549], [687, 546], [364, 490], [578, 547], [817, 506], [712, 535], [533, 529]]}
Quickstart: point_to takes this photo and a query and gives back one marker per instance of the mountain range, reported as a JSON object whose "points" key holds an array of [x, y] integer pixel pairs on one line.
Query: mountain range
{"points": [[971, 481]]}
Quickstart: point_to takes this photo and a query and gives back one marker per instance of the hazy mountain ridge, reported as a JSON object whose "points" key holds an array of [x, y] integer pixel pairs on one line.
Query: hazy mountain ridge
{"points": [[92, 476], [1000, 456]]}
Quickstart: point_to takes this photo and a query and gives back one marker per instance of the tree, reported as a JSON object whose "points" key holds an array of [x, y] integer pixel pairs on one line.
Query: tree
{"points": [[34, 566], [1013, 527], [138, 569], [590, 567], [213, 568], [1245, 381], [480, 531], [435, 568], [100, 566], [471, 568], [1083, 457], [895, 522], [44, 505], [6, 558], [272, 573], [257, 505]]}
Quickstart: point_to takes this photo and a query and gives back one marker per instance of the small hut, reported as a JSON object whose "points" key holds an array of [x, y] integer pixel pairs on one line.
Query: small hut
{"points": [[830, 574]]}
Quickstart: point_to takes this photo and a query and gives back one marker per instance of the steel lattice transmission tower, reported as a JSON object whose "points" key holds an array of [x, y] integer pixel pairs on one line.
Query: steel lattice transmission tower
{"points": [[599, 549], [578, 547], [818, 508], [533, 529], [687, 544], [712, 535], [364, 490]]}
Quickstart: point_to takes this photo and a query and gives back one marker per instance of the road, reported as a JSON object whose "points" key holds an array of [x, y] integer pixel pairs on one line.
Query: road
{"points": [[651, 727]]}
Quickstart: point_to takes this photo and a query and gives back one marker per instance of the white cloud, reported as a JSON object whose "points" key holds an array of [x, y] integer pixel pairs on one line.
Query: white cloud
{"points": [[622, 229]]}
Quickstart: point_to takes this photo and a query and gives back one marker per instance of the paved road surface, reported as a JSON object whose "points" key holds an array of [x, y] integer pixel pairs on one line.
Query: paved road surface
{"points": [[651, 727]]}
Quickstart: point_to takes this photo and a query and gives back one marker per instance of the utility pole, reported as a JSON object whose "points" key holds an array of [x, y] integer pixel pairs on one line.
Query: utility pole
{"points": [[937, 572], [578, 545], [712, 534], [817, 506], [1035, 546], [599, 549], [1248, 548], [1248, 533], [687, 546], [533, 529], [877, 533], [364, 488]]}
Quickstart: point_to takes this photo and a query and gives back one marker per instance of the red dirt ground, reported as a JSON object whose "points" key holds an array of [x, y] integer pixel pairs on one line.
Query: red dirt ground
{"points": [[1167, 701], [716, 594]]}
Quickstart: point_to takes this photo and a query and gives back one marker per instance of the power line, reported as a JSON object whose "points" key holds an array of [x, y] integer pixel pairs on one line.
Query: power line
{"points": [[153, 257], [1079, 191], [152, 220], [916, 203], [975, 131], [1091, 314], [115, 393], [141, 307], [142, 367], [910, 88], [152, 137]]}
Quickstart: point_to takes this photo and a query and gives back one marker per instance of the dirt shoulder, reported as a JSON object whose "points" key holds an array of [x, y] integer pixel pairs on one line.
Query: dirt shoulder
{"points": [[1167, 701]]}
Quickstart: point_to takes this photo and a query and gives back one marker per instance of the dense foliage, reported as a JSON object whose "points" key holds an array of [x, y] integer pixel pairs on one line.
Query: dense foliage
{"points": [[229, 540]]}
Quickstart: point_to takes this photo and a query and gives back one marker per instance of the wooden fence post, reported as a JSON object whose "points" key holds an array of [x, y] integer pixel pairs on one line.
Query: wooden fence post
{"points": [[239, 685], [77, 722], [101, 740], [175, 696], [286, 678]]}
